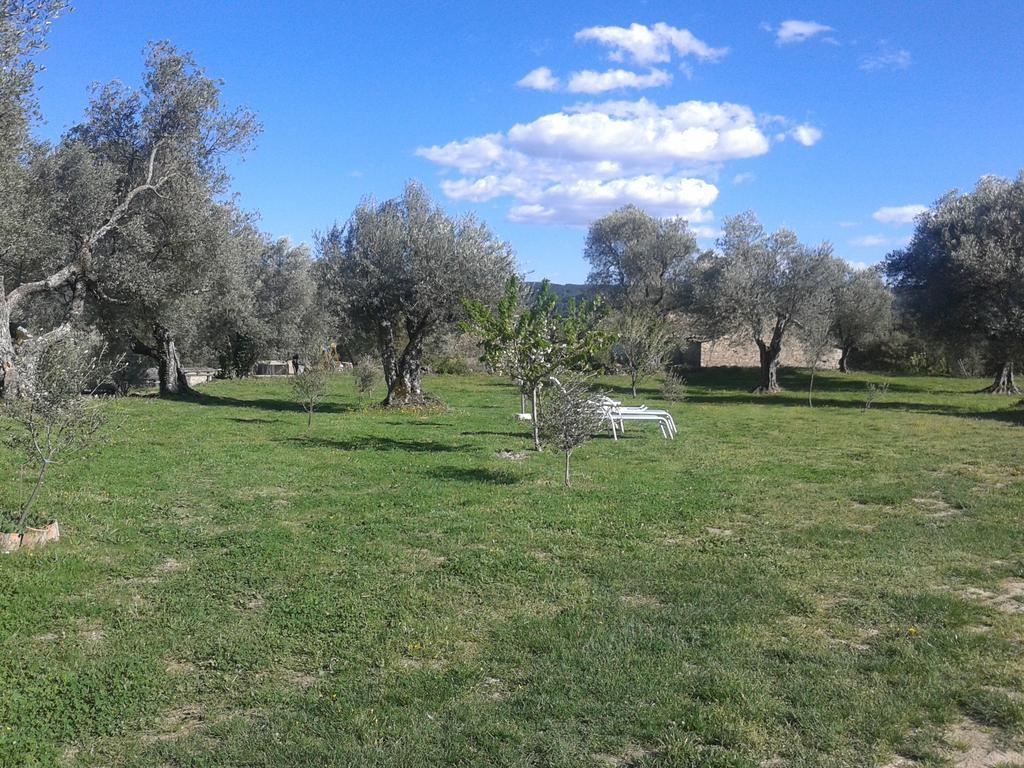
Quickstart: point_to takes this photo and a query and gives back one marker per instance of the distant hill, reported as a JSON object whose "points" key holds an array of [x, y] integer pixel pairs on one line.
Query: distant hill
{"points": [[566, 291]]}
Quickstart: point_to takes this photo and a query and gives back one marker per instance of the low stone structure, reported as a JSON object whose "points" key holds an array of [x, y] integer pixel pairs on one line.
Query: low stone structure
{"points": [[740, 352]]}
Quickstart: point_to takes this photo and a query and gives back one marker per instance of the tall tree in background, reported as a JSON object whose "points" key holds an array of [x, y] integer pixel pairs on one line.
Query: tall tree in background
{"points": [[641, 261], [133, 210], [399, 270], [962, 275], [760, 286], [863, 311]]}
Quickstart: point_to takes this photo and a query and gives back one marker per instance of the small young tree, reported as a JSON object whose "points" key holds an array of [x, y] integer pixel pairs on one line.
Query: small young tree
{"points": [[817, 332], [531, 343], [310, 384], [570, 418], [366, 373], [58, 412], [642, 342]]}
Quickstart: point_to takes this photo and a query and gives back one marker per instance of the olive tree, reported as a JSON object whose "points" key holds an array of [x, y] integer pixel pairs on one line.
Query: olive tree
{"points": [[398, 272], [863, 311], [641, 261], [570, 418], [133, 212], [962, 275], [760, 286]]}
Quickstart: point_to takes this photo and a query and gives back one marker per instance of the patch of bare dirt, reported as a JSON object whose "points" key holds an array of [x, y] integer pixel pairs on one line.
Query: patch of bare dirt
{"points": [[971, 745], [415, 663], [176, 724], [1009, 598], [46, 637], [494, 689], [722, 532], [974, 746], [178, 668], [510, 455], [936, 508], [631, 755]]}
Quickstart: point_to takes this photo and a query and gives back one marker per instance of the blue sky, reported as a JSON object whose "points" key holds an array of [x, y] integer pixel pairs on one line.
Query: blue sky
{"points": [[834, 119]]}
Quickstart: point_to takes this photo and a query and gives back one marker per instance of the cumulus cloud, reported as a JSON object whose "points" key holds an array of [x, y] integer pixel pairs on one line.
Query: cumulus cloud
{"points": [[898, 214], [743, 178], [589, 81], [886, 58], [807, 135], [645, 45], [540, 79], [795, 31], [571, 166]]}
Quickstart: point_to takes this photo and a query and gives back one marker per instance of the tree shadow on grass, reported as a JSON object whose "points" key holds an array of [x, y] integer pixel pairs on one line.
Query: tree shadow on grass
{"points": [[473, 475], [369, 443], [254, 420], [936, 409], [267, 404]]}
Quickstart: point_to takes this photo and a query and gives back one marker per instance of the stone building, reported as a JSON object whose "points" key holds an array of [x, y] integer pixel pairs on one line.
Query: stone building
{"points": [[742, 352]]}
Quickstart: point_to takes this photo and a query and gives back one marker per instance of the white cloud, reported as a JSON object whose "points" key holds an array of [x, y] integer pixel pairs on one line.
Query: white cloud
{"points": [[886, 58], [571, 166], [869, 241], [743, 178], [794, 31], [539, 79], [898, 214], [589, 81], [650, 45], [807, 135]]}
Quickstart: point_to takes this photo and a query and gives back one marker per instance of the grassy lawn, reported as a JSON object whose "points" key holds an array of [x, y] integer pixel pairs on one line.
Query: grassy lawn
{"points": [[781, 586]]}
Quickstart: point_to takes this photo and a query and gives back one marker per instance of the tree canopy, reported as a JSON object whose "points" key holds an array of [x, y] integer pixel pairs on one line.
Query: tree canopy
{"points": [[398, 271], [962, 275]]}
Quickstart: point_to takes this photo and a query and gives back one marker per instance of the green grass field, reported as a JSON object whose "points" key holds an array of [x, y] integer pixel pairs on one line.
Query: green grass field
{"points": [[781, 586]]}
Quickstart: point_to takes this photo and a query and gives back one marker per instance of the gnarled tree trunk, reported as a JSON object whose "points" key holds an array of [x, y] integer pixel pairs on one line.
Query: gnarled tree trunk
{"points": [[405, 389], [844, 360], [8, 369], [170, 372], [770, 353], [1004, 383]]}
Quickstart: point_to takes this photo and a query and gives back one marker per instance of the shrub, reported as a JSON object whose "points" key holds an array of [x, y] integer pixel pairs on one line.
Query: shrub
{"points": [[570, 418], [367, 375], [673, 389], [57, 411], [449, 366]]}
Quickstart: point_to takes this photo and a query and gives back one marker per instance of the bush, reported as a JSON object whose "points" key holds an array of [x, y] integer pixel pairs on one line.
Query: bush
{"points": [[673, 389], [367, 375], [449, 366]]}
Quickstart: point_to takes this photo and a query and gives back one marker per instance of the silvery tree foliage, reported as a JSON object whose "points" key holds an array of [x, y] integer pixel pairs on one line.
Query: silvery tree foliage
{"points": [[863, 311], [136, 232], [641, 262], [399, 270], [760, 286], [962, 275]]}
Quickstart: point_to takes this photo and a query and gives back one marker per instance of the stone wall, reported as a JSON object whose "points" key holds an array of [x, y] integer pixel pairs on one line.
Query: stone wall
{"points": [[735, 351]]}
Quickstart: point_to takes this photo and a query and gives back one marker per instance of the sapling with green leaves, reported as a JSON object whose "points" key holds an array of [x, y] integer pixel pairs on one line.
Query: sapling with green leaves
{"points": [[571, 417], [58, 411], [309, 385], [526, 338]]}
